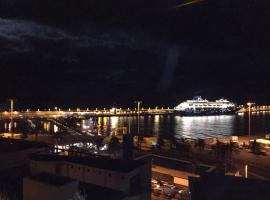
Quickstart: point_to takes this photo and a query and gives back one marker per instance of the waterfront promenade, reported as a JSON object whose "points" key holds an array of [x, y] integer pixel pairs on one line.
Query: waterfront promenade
{"points": [[258, 164]]}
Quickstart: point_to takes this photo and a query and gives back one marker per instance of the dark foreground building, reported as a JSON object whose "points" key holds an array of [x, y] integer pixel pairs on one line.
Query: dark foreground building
{"points": [[123, 178], [219, 187]]}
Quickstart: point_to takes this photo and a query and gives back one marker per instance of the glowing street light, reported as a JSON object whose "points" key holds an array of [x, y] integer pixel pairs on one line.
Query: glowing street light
{"points": [[246, 171]]}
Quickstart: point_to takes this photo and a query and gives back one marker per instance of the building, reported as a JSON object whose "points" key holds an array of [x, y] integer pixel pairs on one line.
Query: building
{"points": [[176, 171], [45, 186], [212, 187], [14, 153], [127, 176]]}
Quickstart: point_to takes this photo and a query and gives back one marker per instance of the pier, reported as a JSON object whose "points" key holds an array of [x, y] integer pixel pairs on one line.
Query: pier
{"points": [[254, 109], [86, 113]]}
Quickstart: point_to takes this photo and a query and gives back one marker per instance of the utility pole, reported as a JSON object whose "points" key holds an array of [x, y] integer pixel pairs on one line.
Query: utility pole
{"points": [[138, 112], [11, 105], [249, 117], [128, 121], [249, 120], [11, 114]]}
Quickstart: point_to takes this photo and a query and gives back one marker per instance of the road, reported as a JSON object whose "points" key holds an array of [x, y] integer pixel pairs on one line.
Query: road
{"points": [[258, 165]]}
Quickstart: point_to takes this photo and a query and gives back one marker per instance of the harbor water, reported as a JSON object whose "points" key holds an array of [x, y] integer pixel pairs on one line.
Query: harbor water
{"points": [[171, 127]]}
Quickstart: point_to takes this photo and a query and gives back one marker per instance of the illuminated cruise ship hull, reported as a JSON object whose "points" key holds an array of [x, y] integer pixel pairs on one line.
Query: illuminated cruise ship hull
{"points": [[199, 106], [204, 112]]}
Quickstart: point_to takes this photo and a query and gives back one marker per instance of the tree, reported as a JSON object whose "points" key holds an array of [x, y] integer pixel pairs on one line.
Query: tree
{"points": [[160, 143], [255, 147], [99, 143], [114, 144], [184, 146], [233, 147], [200, 144]]}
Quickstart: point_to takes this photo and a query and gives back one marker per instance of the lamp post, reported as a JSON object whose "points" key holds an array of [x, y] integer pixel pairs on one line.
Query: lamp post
{"points": [[128, 121], [11, 114], [138, 112], [246, 171], [249, 117]]}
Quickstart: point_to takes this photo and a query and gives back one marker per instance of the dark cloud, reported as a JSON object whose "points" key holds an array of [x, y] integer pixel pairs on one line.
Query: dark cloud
{"points": [[212, 50]]}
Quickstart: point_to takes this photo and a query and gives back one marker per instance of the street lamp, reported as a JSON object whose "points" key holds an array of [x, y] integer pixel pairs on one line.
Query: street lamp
{"points": [[128, 121], [138, 112], [249, 117], [11, 114]]}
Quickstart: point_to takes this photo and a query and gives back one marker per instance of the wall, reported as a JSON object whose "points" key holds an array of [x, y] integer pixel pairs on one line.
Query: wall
{"points": [[105, 178], [36, 190]]}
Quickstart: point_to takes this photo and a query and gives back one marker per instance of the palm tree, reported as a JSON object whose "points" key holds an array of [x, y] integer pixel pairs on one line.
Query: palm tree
{"points": [[233, 147], [160, 143], [255, 147], [184, 146], [200, 144], [219, 149], [114, 143]]}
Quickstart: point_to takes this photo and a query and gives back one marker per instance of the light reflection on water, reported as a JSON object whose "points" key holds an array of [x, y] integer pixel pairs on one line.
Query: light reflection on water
{"points": [[190, 127], [204, 126], [161, 126]]}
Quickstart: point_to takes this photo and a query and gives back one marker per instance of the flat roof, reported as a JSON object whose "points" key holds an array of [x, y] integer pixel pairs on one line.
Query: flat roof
{"points": [[11, 145], [101, 193], [51, 179], [177, 164], [97, 162], [214, 186]]}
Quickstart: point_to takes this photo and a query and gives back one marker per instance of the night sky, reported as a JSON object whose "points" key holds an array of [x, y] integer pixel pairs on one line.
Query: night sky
{"points": [[68, 57]]}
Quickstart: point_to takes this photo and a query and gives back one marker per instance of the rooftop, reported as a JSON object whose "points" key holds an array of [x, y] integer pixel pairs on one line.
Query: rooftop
{"points": [[8, 145], [97, 162], [212, 187], [51, 179], [101, 193]]}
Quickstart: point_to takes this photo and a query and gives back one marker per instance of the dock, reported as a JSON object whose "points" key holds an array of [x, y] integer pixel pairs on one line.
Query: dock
{"points": [[85, 113]]}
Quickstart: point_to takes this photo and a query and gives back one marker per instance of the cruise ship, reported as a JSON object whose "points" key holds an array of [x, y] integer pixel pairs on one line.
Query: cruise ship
{"points": [[200, 106]]}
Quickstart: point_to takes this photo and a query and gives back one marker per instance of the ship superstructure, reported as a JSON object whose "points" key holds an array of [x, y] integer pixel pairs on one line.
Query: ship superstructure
{"points": [[201, 106]]}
